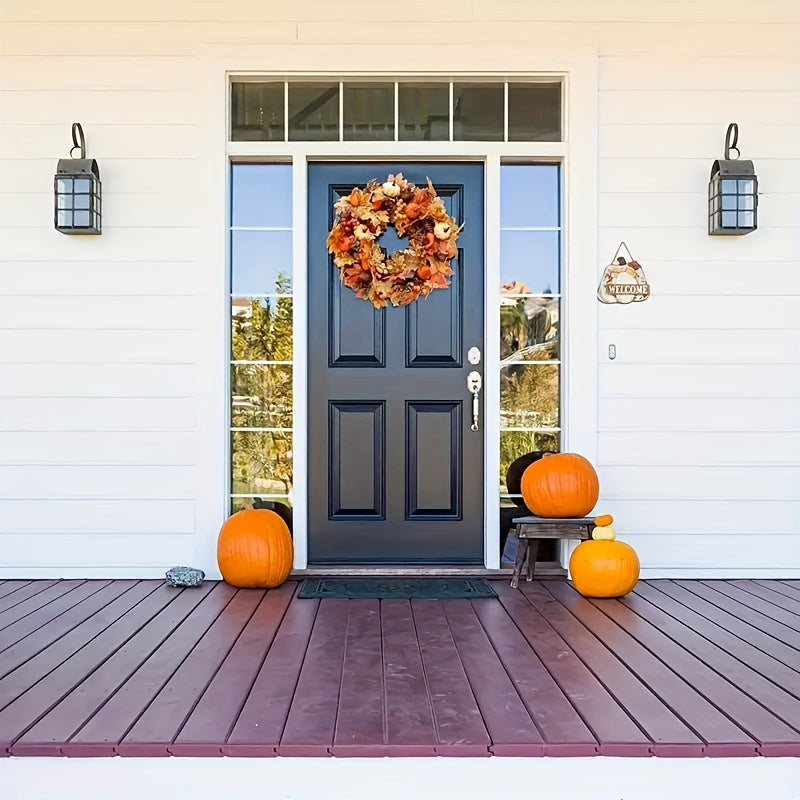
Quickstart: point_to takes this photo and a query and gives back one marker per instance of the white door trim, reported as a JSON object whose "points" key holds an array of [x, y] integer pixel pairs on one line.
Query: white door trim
{"points": [[578, 154]]}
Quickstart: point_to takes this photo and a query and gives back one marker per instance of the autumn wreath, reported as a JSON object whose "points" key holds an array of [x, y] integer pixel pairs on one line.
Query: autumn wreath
{"points": [[419, 214]]}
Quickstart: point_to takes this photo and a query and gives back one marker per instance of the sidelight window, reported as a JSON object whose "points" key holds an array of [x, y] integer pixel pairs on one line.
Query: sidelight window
{"points": [[261, 365], [530, 313]]}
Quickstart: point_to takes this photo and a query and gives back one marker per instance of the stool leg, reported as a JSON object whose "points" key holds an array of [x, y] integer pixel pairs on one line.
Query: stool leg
{"points": [[533, 550], [522, 552]]}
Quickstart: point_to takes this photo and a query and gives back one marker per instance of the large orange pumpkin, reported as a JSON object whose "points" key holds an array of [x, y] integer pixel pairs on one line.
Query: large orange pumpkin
{"points": [[604, 568], [254, 549], [560, 485]]}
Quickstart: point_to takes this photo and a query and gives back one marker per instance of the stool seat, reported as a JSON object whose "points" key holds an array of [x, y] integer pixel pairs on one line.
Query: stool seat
{"points": [[531, 529]]}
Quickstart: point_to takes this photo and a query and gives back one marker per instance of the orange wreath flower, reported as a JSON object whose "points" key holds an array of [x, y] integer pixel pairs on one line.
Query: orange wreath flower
{"points": [[419, 214]]}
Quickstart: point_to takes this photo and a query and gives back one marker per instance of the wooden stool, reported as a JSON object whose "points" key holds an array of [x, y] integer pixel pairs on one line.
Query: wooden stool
{"points": [[531, 529]]}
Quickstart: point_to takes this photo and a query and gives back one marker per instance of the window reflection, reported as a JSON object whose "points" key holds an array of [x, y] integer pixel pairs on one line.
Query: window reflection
{"points": [[368, 112], [424, 111], [261, 261], [530, 310], [313, 112], [260, 194]]}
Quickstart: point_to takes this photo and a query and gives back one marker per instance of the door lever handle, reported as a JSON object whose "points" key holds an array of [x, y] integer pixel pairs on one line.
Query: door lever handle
{"points": [[474, 384]]}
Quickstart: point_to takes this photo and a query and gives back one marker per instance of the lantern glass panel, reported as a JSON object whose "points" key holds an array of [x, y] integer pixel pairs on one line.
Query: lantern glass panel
{"points": [[83, 185], [81, 201], [746, 187], [65, 201], [82, 219], [728, 186], [65, 185], [65, 219]]}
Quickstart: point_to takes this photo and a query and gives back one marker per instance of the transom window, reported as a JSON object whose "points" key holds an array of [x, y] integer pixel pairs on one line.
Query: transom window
{"points": [[362, 110]]}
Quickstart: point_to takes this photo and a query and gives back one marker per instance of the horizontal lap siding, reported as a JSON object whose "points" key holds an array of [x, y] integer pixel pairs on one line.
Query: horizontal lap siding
{"points": [[112, 362], [109, 429], [699, 441]]}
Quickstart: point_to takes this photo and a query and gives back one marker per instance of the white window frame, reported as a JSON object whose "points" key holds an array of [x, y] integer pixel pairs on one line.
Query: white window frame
{"points": [[577, 154]]}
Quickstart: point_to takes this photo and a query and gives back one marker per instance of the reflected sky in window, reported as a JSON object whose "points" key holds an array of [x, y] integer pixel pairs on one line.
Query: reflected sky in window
{"points": [[529, 196], [530, 259], [261, 196], [257, 257]]}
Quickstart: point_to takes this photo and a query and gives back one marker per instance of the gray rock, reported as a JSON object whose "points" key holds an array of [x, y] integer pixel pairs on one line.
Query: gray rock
{"points": [[185, 576]]}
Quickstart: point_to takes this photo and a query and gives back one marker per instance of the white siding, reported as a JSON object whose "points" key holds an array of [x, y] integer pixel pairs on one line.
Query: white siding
{"points": [[112, 361]]}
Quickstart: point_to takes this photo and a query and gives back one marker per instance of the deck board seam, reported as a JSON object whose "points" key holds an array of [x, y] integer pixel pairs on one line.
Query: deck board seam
{"points": [[257, 670], [83, 677], [56, 585], [508, 673], [735, 625], [738, 616], [553, 676], [157, 692], [705, 664], [716, 670], [597, 677], [221, 661], [279, 738]]}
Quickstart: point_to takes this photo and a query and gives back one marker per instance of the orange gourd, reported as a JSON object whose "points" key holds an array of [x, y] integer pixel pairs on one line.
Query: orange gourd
{"points": [[604, 520], [604, 568], [560, 485], [254, 549]]}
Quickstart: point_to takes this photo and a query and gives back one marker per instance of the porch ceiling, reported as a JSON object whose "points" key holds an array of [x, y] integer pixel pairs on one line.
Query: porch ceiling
{"points": [[136, 668]]}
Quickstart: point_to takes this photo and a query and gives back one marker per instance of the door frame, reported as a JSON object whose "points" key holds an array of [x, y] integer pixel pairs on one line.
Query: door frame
{"points": [[578, 156]]}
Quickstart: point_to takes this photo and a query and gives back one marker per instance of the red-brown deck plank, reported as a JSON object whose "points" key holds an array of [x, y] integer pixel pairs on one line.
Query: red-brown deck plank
{"points": [[29, 672], [766, 607], [781, 588], [57, 726], [19, 714], [409, 713], [258, 729], [360, 724], [746, 612], [8, 587], [627, 672], [750, 633], [215, 714], [102, 733], [312, 717], [29, 599], [154, 731], [563, 730], [460, 729], [733, 687], [504, 713], [695, 623], [97, 668], [766, 593], [686, 702], [53, 610], [612, 727], [42, 637]]}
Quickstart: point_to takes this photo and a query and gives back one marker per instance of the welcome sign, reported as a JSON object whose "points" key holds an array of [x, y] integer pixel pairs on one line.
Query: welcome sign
{"points": [[623, 280]]}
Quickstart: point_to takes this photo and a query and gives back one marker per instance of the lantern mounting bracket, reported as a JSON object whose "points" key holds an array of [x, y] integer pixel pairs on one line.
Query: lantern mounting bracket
{"points": [[78, 140], [731, 140]]}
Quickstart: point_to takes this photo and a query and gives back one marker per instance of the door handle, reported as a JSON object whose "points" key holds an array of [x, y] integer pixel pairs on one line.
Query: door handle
{"points": [[474, 384]]}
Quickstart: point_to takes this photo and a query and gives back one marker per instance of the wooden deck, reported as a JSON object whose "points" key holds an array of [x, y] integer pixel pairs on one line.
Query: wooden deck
{"points": [[136, 668]]}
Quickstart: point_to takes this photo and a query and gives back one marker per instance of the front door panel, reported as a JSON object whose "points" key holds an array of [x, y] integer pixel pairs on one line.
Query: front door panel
{"points": [[395, 471]]}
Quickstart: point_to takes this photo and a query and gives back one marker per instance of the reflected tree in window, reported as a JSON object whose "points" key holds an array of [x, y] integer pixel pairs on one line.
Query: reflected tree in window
{"points": [[262, 394]]}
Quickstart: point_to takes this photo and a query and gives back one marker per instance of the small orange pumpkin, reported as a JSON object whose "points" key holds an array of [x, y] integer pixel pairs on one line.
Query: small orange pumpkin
{"points": [[254, 549], [560, 485], [604, 568]]}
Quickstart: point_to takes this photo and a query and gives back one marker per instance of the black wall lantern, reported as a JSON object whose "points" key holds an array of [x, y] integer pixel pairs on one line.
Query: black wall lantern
{"points": [[732, 192], [77, 190]]}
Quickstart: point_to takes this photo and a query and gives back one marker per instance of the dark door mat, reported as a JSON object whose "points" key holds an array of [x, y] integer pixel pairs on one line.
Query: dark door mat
{"points": [[390, 588]]}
